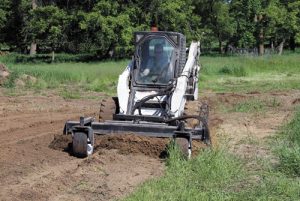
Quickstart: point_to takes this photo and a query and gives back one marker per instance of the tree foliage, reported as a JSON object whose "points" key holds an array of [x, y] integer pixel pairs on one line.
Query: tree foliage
{"points": [[105, 27]]}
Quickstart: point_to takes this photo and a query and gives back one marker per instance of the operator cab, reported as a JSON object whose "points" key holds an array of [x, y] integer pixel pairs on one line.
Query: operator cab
{"points": [[157, 58], [157, 61]]}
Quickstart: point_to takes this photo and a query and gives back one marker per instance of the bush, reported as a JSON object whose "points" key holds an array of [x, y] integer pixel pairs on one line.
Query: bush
{"points": [[238, 71], [47, 58]]}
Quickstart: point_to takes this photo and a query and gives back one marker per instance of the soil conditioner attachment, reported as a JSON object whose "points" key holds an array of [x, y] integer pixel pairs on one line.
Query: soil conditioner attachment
{"points": [[157, 97]]}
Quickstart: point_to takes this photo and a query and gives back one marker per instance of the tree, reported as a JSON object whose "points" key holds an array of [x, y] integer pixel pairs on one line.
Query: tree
{"points": [[46, 26], [106, 27], [18, 13], [216, 21], [251, 22], [222, 24], [4, 15], [283, 21], [177, 16]]}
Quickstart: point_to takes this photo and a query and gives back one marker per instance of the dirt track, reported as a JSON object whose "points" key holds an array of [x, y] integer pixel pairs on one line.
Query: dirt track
{"points": [[30, 169]]}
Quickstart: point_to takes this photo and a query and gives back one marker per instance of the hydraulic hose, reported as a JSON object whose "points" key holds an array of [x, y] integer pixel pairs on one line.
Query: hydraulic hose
{"points": [[139, 104]]}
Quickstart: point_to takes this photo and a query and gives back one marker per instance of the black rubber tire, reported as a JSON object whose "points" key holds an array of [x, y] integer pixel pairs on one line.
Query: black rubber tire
{"points": [[79, 145], [107, 109]]}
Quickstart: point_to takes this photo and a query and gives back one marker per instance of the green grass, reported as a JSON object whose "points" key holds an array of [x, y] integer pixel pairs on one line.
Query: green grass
{"points": [[288, 147], [210, 176], [100, 77], [255, 105], [244, 74], [70, 94], [217, 175], [219, 74]]}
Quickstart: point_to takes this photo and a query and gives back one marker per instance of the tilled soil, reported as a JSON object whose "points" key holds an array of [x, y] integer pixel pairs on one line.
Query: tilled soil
{"points": [[33, 167], [36, 162]]}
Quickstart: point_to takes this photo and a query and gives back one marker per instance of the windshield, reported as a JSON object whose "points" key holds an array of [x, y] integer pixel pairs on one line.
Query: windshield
{"points": [[157, 60]]}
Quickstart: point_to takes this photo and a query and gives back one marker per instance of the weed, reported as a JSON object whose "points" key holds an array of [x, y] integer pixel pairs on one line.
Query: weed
{"points": [[207, 177], [238, 71], [288, 146], [10, 82], [70, 94], [252, 105]]}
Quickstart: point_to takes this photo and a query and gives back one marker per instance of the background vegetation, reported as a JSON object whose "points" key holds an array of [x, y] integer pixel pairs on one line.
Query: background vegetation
{"points": [[218, 74], [103, 28]]}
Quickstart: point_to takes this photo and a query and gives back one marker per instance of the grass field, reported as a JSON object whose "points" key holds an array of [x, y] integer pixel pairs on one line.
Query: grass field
{"points": [[218, 74], [242, 74], [87, 76]]}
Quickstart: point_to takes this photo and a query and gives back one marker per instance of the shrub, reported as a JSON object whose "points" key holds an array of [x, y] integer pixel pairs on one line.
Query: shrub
{"points": [[238, 71]]}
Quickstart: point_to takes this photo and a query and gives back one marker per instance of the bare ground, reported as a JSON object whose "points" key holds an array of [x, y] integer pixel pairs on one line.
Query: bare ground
{"points": [[35, 163], [31, 170]]}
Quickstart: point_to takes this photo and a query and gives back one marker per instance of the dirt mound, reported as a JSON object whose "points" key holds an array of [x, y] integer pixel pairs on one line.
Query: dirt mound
{"points": [[231, 98], [125, 144], [61, 142], [129, 143], [3, 53], [23, 79]]}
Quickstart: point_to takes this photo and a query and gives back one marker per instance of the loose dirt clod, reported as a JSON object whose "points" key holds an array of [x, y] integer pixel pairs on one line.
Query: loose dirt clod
{"points": [[23, 79], [61, 142], [129, 143]]}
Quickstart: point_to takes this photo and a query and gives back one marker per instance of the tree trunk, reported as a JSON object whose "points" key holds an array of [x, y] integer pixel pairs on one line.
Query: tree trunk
{"points": [[33, 43], [261, 48], [33, 48], [292, 43], [280, 47], [53, 56], [221, 48], [260, 38], [272, 46]]}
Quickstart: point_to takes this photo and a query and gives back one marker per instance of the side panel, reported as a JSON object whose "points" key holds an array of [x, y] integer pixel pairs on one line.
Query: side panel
{"points": [[123, 88], [178, 98]]}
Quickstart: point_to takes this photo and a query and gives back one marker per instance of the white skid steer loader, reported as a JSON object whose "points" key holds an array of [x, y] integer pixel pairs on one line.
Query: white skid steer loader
{"points": [[154, 94]]}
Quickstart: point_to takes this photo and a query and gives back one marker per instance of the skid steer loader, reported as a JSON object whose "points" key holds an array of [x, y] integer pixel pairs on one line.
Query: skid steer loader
{"points": [[152, 96]]}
